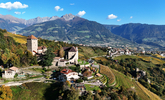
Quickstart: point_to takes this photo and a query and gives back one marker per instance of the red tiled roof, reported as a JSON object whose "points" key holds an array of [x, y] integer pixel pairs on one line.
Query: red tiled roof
{"points": [[66, 71], [87, 73], [31, 37]]}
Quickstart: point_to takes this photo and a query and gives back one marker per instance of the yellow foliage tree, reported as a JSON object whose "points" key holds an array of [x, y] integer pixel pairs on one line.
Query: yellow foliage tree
{"points": [[61, 52], [6, 93]]}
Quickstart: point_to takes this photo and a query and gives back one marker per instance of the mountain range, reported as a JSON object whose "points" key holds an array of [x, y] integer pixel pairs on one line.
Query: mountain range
{"points": [[141, 33], [74, 30]]}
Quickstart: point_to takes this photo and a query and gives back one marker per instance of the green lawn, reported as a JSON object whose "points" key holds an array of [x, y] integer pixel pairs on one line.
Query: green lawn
{"points": [[91, 87]]}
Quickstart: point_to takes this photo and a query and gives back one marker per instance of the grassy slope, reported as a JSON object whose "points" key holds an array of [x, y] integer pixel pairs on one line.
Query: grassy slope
{"points": [[145, 58], [124, 57], [18, 38], [144, 94], [87, 52], [35, 91], [151, 95]]}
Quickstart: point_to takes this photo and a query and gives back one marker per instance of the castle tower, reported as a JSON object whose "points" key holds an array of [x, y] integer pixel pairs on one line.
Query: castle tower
{"points": [[32, 44]]}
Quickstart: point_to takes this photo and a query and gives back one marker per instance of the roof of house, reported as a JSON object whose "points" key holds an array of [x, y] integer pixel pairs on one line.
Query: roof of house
{"points": [[87, 73], [70, 49], [66, 71], [63, 60], [13, 68], [31, 37], [41, 47], [98, 74], [57, 58]]}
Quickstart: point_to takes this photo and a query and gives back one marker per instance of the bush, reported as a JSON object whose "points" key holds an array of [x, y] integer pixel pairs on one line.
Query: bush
{"points": [[85, 78], [79, 80], [15, 75]]}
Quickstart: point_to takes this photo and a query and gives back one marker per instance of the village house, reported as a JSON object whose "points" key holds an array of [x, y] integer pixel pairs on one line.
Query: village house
{"points": [[68, 74], [87, 73], [10, 73], [79, 86]]}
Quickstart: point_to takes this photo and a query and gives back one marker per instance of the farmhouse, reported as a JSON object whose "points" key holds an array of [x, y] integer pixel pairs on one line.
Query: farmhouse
{"points": [[10, 73], [68, 74]]}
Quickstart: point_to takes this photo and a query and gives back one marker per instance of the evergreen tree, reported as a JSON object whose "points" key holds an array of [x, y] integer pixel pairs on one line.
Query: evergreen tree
{"points": [[47, 58]]}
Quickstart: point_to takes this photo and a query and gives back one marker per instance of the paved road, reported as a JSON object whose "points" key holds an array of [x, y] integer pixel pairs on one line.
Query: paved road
{"points": [[42, 79]]}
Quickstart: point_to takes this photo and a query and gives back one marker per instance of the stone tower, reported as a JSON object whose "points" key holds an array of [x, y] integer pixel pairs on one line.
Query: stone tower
{"points": [[32, 44]]}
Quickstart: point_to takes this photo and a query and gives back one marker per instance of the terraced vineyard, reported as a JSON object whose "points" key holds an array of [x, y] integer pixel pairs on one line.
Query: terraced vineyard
{"points": [[143, 93], [103, 79], [106, 71]]}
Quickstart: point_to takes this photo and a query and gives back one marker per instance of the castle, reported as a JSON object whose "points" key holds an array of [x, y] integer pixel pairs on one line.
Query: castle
{"points": [[32, 45], [71, 53]]}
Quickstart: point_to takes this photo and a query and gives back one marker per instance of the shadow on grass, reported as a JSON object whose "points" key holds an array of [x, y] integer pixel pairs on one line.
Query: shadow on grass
{"points": [[53, 92]]}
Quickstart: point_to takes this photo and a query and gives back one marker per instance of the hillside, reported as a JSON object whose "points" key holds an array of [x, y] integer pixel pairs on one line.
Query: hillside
{"points": [[11, 26], [18, 38], [78, 30], [141, 33]]}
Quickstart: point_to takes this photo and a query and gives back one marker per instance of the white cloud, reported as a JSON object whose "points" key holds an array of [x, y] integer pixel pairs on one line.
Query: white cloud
{"points": [[15, 5], [81, 13], [18, 13], [119, 20], [111, 16], [61, 9], [23, 12], [57, 8], [131, 17], [71, 3]]}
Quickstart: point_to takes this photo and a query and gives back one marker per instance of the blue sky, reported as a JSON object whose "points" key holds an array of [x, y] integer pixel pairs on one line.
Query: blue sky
{"points": [[102, 11]]}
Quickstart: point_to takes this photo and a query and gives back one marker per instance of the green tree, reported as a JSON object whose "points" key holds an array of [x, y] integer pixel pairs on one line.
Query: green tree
{"points": [[48, 57], [73, 95], [34, 60]]}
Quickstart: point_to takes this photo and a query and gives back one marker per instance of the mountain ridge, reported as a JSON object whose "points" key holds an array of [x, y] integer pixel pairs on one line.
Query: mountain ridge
{"points": [[149, 34], [78, 30]]}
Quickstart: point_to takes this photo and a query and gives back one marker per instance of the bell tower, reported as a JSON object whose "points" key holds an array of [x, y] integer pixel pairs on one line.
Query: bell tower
{"points": [[32, 44]]}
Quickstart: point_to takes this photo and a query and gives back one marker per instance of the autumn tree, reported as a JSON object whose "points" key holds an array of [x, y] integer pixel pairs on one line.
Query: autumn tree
{"points": [[5, 93], [61, 52]]}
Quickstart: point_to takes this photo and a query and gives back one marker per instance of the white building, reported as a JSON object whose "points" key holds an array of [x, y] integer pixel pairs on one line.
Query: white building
{"points": [[68, 74], [10, 73]]}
